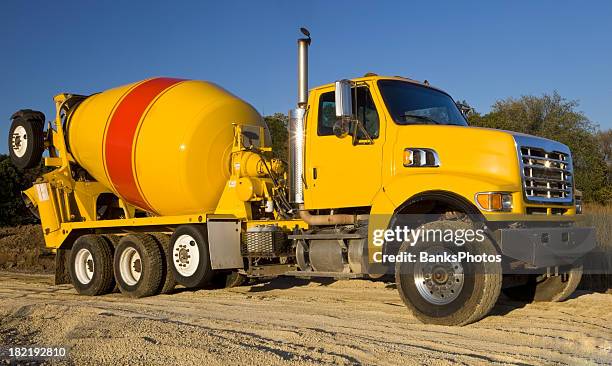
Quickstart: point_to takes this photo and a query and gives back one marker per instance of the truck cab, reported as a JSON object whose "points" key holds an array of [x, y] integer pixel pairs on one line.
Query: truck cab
{"points": [[400, 153], [402, 119]]}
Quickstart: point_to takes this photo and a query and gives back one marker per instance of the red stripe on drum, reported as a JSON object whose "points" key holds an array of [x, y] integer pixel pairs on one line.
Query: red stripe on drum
{"points": [[121, 134]]}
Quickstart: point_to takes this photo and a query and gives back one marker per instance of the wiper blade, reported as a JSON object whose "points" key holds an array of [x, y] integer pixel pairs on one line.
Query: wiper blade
{"points": [[419, 117]]}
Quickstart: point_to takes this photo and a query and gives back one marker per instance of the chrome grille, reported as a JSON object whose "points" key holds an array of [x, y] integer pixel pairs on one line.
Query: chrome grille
{"points": [[546, 170]]}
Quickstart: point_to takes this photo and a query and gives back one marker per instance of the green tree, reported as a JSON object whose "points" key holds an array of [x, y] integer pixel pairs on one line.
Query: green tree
{"points": [[556, 118], [277, 124], [605, 141], [12, 181]]}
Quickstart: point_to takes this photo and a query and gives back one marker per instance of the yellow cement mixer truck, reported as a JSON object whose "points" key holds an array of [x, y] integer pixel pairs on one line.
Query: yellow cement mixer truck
{"points": [[169, 181]]}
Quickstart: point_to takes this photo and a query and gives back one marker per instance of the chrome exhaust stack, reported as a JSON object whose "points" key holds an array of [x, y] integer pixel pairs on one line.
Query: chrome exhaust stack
{"points": [[303, 44], [296, 124], [296, 155], [296, 147]]}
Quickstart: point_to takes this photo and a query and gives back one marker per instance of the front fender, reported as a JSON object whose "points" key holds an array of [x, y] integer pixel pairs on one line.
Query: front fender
{"points": [[402, 189]]}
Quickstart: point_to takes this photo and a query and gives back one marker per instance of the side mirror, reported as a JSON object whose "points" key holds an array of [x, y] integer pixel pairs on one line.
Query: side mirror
{"points": [[465, 109], [344, 108], [344, 103]]}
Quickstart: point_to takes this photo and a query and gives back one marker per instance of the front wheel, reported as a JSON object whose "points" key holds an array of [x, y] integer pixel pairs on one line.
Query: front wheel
{"points": [[546, 288], [448, 291]]}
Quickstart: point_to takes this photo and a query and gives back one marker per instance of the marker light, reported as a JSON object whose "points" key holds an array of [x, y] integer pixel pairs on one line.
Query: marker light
{"points": [[494, 201], [421, 157]]}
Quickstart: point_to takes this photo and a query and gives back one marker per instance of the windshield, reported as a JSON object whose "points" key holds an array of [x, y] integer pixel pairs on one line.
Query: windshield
{"points": [[413, 104]]}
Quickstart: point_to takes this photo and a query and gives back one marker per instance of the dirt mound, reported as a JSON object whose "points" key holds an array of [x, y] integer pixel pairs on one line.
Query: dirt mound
{"points": [[22, 248]]}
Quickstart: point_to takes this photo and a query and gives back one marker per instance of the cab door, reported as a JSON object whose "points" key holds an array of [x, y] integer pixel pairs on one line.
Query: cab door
{"points": [[340, 172]]}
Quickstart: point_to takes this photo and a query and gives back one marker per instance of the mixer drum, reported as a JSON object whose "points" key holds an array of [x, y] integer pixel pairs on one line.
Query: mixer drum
{"points": [[161, 144]]}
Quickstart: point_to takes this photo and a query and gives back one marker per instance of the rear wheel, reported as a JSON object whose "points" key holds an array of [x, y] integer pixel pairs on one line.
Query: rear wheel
{"points": [[91, 265], [542, 288], [168, 283], [26, 141], [114, 240], [452, 292], [190, 257], [138, 265]]}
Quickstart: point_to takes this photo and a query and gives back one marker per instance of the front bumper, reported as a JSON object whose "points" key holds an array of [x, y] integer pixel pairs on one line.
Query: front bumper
{"points": [[546, 247]]}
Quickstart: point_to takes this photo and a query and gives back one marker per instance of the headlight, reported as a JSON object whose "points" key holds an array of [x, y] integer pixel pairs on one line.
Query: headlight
{"points": [[494, 201], [578, 205]]}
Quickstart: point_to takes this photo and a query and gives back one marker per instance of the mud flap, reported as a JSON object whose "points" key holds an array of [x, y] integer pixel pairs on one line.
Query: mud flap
{"points": [[224, 244], [62, 276]]}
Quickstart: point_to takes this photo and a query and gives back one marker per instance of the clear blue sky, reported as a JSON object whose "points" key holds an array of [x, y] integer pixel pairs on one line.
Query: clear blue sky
{"points": [[478, 51]]}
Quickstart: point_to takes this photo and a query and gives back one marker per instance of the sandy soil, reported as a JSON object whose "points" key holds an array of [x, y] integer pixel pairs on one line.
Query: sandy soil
{"points": [[294, 322]]}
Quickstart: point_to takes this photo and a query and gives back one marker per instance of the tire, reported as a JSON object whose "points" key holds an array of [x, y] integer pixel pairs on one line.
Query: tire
{"points": [[234, 279], [90, 265], [553, 289], [114, 240], [226, 280], [168, 283], [26, 140], [190, 257], [465, 292], [138, 266]]}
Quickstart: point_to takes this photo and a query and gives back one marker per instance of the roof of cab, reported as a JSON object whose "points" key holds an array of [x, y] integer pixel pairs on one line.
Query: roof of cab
{"points": [[374, 78]]}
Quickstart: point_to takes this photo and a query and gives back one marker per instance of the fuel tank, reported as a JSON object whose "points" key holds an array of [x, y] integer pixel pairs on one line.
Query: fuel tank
{"points": [[162, 144]]}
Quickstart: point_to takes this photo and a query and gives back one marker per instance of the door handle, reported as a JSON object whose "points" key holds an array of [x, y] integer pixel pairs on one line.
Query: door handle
{"points": [[314, 173]]}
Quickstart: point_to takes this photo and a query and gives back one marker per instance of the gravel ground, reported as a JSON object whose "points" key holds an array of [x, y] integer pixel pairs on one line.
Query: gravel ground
{"points": [[294, 322]]}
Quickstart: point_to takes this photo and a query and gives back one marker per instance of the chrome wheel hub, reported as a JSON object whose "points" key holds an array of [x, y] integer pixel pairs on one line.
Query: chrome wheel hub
{"points": [[438, 283]]}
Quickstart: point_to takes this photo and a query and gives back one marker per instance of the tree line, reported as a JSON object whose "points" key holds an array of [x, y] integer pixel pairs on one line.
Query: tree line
{"points": [[12, 181], [550, 116]]}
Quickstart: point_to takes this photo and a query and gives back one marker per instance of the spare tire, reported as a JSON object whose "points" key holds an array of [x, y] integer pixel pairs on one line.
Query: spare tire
{"points": [[26, 140]]}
